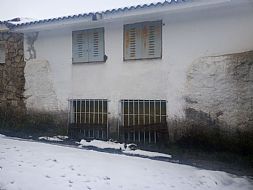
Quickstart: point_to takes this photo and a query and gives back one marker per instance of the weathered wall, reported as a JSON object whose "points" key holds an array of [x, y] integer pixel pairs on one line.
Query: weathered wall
{"points": [[48, 71], [186, 36], [12, 80], [222, 87], [39, 89]]}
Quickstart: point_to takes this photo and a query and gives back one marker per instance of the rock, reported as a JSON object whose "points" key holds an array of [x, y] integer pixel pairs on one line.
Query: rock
{"points": [[132, 146]]}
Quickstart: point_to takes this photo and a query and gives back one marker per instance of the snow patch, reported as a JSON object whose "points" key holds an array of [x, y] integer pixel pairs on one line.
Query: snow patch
{"points": [[102, 144], [121, 146], [55, 138], [22, 20]]}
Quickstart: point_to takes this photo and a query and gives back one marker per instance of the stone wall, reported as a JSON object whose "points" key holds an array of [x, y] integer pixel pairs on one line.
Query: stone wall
{"points": [[12, 80], [220, 88]]}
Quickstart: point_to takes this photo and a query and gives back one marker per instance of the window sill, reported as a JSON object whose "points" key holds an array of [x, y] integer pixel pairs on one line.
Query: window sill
{"points": [[139, 59], [92, 62]]}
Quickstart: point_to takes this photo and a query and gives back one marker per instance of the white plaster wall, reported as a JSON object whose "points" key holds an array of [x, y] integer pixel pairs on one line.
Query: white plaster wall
{"points": [[53, 48], [186, 37]]}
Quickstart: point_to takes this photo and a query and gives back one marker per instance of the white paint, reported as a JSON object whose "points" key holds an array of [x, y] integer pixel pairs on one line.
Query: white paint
{"points": [[187, 36]]}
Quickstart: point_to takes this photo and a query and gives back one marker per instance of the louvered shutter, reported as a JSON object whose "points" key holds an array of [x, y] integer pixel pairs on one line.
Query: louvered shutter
{"points": [[96, 44], [143, 40], [151, 39], [2, 53], [80, 46], [132, 41]]}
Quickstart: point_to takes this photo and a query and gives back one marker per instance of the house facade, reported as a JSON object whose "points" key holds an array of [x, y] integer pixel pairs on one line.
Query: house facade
{"points": [[128, 72]]}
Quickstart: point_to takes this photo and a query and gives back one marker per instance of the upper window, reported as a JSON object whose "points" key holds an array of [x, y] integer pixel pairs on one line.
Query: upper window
{"points": [[88, 45], [143, 40], [2, 53]]}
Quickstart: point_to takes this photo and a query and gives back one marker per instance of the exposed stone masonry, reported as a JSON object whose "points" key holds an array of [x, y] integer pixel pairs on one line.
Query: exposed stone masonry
{"points": [[222, 87], [12, 80]]}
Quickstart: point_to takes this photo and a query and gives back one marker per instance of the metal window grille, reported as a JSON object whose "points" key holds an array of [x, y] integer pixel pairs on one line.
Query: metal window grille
{"points": [[89, 117], [141, 119]]}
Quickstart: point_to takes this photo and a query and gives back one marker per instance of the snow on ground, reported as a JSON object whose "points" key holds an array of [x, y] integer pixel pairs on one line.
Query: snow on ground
{"points": [[28, 165], [120, 146], [102, 144], [55, 138]]}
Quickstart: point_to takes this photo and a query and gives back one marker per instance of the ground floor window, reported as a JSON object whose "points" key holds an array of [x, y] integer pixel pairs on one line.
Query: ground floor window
{"points": [[143, 120], [88, 118], [88, 111], [143, 112]]}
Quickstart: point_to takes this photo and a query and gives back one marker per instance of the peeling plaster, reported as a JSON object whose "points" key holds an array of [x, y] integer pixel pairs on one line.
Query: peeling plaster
{"points": [[222, 86], [39, 89], [30, 39]]}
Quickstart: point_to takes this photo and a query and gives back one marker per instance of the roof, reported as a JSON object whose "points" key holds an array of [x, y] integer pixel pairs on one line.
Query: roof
{"points": [[94, 15], [6, 23], [167, 6]]}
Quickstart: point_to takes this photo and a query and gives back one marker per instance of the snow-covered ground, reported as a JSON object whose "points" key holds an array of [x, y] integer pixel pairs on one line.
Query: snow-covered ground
{"points": [[28, 165]]}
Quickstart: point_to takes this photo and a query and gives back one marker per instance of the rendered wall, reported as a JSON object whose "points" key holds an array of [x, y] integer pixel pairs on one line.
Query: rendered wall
{"points": [[188, 41]]}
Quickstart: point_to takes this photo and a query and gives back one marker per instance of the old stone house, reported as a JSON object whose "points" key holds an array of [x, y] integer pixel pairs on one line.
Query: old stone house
{"points": [[129, 72]]}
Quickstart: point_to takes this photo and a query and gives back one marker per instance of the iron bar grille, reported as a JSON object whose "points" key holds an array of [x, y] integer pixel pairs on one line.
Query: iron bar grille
{"points": [[143, 112], [89, 111]]}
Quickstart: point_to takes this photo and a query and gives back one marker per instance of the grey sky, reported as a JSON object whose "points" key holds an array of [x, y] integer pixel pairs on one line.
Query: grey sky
{"points": [[40, 9]]}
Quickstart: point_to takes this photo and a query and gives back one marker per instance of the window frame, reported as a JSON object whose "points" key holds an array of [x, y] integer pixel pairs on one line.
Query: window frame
{"points": [[103, 46], [2, 43], [136, 112], [142, 23], [88, 111]]}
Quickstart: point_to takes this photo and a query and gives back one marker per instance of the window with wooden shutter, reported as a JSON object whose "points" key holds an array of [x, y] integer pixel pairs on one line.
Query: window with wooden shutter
{"points": [[2, 53], [96, 45], [88, 45], [143, 40]]}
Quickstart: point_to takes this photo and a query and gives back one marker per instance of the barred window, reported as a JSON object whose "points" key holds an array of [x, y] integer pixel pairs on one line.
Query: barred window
{"points": [[89, 111], [143, 112]]}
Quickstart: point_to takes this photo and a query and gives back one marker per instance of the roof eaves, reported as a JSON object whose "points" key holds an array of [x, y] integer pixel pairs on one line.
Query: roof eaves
{"points": [[93, 15]]}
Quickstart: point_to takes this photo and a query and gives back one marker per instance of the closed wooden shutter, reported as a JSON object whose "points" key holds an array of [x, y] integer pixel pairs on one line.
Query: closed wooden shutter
{"points": [[88, 45], [152, 40], [80, 46], [132, 41], [143, 40], [96, 45], [2, 53]]}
